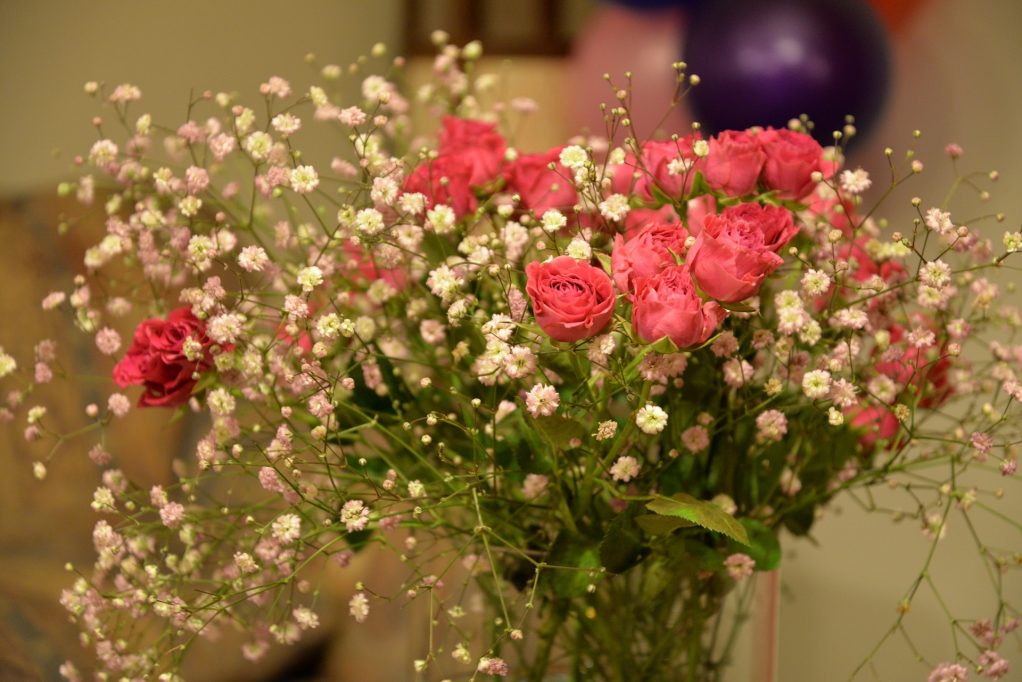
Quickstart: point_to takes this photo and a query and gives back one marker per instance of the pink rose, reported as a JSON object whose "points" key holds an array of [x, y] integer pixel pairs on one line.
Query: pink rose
{"points": [[734, 163], [476, 143], [667, 305], [698, 209], [156, 359], [877, 422], [444, 180], [655, 169], [571, 300], [791, 160], [738, 248], [539, 187], [359, 260], [649, 251], [639, 218]]}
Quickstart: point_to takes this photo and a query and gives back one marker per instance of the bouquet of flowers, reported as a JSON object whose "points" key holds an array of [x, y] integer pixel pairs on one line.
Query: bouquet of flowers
{"points": [[580, 391]]}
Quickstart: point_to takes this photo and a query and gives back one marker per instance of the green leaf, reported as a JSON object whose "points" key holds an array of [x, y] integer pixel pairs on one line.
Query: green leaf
{"points": [[604, 261], [705, 514], [622, 546], [570, 553], [655, 579], [559, 430], [764, 547], [654, 524], [665, 346], [699, 186]]}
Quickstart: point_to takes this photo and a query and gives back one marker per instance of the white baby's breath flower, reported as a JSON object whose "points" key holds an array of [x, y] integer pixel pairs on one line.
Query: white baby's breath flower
{"points": [[1013, 241], [815, 282], [309, 278], [615, 207], [441, 219], [816, 384], [369, 222], [625, 469], [258, 145], [553, 220], [220, 401], [253, 259], [939, 221], [651, 419], [579, 249], [103, 153], [304, 179], [412, 203], [7, 364], [855, 181], [935, 273], [287, 528], [574, 157]]}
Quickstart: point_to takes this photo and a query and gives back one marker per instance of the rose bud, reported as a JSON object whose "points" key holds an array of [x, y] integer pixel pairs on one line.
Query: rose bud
{"points": [[791, 160], [734, 163], [571, 300]]}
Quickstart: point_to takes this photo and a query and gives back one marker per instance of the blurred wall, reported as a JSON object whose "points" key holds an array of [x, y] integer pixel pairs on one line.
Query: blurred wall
{"points": [[957, 79]]}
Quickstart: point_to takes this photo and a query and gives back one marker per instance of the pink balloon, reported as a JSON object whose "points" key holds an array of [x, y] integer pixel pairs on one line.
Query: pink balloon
{"points": [[615, 40]]}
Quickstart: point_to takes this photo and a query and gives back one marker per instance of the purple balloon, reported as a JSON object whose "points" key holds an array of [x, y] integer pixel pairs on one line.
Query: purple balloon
{"points": [[764, 62]]}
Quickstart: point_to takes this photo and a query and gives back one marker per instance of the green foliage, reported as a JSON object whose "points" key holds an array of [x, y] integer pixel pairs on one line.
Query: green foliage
{"points": [[559, 431], [705, 514], [764, 546], [622, 547], [574, 559]]}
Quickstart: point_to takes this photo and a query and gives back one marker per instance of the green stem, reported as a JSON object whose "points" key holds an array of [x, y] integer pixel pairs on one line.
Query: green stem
{"points": [[547, 635], [586, 489]]}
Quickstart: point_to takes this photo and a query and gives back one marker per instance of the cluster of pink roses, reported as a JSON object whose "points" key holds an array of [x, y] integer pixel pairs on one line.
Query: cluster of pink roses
{"points": [[471, 158], [659, 263]]}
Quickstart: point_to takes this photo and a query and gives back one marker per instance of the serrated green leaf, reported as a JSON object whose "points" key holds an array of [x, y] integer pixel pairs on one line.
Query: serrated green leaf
{"points": [[705, 514], [559, 431], [654, 524], [605, 261]]}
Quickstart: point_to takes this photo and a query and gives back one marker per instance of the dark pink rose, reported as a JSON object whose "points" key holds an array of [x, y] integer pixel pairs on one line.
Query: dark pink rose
{"points": [[877, 423], [571, 300], [475, 142], [444, 180], [667, 305], [737, 249], [539, 187], [734, 163], [649, 251], [924, 369], [791, 160], [156, 359]]}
